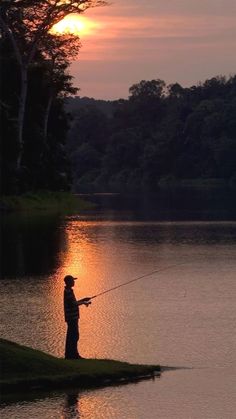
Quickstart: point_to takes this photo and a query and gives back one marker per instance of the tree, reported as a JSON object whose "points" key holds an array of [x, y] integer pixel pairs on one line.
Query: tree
{"points": [[147, 99], [144, 89], [58, 52], [26, 23], [90, 125], [159, 134]]}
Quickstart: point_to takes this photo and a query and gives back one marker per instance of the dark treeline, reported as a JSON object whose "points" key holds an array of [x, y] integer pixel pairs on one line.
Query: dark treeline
{"points": [[160, 134]]}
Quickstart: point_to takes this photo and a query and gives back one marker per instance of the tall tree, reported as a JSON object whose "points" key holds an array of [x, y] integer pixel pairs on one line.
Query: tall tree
{"points": [[58, 52], [26, 23]]}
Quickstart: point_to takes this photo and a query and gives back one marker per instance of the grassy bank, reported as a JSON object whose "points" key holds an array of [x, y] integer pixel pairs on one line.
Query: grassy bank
{"points": [[23, 368], [45, 201]]}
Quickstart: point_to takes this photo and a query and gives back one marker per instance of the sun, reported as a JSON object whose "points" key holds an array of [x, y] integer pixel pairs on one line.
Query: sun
{"points": [[74, 24]]}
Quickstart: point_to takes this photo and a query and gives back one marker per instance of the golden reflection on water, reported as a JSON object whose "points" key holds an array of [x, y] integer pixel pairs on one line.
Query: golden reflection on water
{"points": [[105, 254], [183, 317], [84, 257]]}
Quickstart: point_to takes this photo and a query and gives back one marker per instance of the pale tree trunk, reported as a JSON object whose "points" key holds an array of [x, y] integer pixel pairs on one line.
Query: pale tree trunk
{"points": [[21, 114], [23, 91], [24, 68], [45, 127], [46, 118], [49, 103]]}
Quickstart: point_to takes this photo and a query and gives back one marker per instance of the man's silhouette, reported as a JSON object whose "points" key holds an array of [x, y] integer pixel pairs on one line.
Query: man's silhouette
{"points": [[71, 310]]}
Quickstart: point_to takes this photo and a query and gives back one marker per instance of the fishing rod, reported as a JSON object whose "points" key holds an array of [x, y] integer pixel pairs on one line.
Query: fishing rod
{"points": [[137, 279]]}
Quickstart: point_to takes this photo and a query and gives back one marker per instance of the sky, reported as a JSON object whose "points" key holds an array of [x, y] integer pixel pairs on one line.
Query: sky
{"points": [[184, 41]]}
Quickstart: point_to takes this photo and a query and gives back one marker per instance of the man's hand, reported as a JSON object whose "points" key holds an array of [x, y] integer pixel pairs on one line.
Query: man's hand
{"points": [[86, 301]]}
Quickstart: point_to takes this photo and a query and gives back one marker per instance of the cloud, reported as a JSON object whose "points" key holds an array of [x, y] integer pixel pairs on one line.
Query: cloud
{"points": [[177, 40], [120, 38], [141, 8]]}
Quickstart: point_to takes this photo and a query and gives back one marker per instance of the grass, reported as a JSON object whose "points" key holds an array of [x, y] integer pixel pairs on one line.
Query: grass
{"points": [[24, 368], [62, 202]]}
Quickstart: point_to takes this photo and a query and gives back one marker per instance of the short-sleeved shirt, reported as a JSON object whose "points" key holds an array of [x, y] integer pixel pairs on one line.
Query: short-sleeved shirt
{"points": [[71, 309]]}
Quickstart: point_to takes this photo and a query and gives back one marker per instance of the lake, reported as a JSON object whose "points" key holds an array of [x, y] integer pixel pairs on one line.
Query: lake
{"points": [[183, 316]]}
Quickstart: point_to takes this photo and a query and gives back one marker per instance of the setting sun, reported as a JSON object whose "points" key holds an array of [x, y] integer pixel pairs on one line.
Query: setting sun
{"points": [[74, 24]]}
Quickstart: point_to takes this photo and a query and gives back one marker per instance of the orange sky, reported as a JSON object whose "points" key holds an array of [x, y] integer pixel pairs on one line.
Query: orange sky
{"points": [[130, 40]]}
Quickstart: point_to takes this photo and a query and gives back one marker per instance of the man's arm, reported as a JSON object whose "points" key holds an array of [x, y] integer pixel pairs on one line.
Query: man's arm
{"points": [[86, 301]]}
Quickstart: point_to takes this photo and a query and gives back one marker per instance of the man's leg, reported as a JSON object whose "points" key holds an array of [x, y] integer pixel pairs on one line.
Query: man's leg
{"points": [[72, 336]]}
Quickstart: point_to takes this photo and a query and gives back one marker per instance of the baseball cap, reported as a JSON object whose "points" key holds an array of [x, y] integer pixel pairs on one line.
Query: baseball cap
{"points": [[68, 279]]}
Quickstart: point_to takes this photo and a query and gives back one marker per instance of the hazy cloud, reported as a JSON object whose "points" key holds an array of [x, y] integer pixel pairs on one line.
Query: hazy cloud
{"points": [[147, 39]]}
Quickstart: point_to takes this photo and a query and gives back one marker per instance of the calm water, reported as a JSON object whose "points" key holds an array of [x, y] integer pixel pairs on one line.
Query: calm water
{"points": [[182, 317]]}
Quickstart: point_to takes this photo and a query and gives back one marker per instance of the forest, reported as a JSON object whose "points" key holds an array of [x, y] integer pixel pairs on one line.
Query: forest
{"points": [[34, 82], [161, 134], [52, 139]]}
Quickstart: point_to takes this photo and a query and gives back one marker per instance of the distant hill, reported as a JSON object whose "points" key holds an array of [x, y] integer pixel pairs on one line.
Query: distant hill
{"points": [[74, 104]]}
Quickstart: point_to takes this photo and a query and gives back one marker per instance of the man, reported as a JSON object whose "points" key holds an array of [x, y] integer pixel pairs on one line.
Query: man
{"points": [[71, 310]]}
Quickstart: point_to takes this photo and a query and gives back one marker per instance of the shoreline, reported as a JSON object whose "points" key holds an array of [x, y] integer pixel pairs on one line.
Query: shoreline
{"points": [[44, 201], [25, 369]]}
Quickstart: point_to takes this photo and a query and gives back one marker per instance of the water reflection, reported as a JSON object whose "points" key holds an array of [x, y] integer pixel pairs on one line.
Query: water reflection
{"points": [[34, 245], [30, 245], [183, 317], [196, 394], [71, 409], [171, 204], [104, 254]]}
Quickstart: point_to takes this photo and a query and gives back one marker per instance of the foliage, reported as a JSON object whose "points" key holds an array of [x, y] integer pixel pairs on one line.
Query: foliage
{"points": [[55, 202], [35, 81], [161, 132], [44, 164]]}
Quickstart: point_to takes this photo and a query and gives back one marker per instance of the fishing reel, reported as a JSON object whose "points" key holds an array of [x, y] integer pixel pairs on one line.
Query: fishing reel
{"points": [[86, 301]]}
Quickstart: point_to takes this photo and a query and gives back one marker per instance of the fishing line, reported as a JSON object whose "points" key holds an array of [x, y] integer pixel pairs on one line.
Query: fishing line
{"points": [[137, 279]]}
